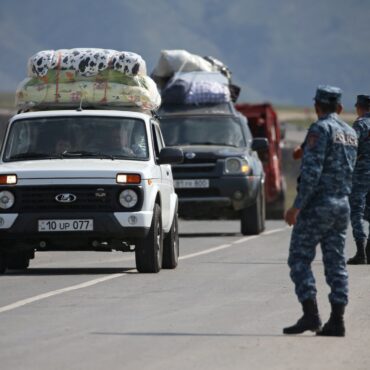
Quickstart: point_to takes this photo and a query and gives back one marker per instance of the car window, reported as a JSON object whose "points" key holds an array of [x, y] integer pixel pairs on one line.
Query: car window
{"points": [[75, 137], [202, 130], [157, 140]]}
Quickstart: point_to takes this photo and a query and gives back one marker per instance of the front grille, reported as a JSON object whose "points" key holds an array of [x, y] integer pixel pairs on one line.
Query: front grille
{"points": [[189, 193], [194, 168], [88, 198]]}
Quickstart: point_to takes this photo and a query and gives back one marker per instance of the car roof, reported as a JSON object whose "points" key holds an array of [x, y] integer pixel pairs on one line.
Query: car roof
{"points": [[224, 109], [88, 112]]}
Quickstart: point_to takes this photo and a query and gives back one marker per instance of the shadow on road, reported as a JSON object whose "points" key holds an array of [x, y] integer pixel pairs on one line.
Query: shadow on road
{"points": [[71, 271], [247, 263], [206, 235], [182, 334]]}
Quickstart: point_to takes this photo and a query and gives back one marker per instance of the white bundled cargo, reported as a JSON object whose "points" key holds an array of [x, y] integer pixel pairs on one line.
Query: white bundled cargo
{"points": [[93, 77], [86, 62], [172, 61]]}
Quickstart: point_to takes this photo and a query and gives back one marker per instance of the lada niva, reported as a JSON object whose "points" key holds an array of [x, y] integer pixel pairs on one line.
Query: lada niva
{"points": [[90, 180]]}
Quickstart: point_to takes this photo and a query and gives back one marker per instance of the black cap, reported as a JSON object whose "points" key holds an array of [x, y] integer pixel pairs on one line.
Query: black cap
{"points": [[363, 101]]}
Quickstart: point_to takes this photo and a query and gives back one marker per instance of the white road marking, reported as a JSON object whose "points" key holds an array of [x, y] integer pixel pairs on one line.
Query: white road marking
{"points": [[242, 240], [89, 283], [275, 230], [52, 293], [211, 250]]}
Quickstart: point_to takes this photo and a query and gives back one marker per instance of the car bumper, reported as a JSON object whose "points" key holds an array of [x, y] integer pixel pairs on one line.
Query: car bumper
{"points": [[223, 199], [109, 230]]}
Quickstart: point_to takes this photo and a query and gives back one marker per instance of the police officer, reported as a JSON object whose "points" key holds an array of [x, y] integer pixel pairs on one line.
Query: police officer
{"points": [[361, 181], [320, 213]]}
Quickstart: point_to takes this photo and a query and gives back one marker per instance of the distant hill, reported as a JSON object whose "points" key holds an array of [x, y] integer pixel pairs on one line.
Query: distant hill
{"points": [[277, 50]]}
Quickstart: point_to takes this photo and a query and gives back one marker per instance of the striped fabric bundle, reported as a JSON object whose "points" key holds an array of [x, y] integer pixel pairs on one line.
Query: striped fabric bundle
{"points": [[92, 77]]}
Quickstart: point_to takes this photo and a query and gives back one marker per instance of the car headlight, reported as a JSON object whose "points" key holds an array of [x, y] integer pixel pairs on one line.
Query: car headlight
{"points": [[234, 166], [128, 198], [6, 199]]}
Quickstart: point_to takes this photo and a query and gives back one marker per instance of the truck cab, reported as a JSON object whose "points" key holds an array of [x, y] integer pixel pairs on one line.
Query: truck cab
{"points": [[263, 122]]}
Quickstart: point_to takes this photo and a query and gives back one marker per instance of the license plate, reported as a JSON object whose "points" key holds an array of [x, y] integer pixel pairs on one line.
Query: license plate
{"points": [[66, 225], [191, 184]]}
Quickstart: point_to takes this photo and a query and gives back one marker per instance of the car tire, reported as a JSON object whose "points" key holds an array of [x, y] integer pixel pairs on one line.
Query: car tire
{"points": [[149, 250], [2, 263], [17, 261], [253, 217], [171, 245], [276, 209]]}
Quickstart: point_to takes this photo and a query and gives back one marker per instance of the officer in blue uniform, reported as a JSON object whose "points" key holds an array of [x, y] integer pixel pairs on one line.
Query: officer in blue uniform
{"points": [[361, 182], [320, 213]]}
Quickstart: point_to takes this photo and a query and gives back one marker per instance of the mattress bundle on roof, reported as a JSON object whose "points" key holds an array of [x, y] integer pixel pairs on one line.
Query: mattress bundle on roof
{"points": [[91, 77], [194, 88], [204, 85]]}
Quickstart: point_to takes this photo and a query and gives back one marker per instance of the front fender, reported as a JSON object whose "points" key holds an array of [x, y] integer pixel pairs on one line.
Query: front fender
{"points": [[173, 210]]}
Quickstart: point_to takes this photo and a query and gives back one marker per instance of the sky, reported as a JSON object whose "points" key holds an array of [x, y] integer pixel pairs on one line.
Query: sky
{"points": [[278, 50]]}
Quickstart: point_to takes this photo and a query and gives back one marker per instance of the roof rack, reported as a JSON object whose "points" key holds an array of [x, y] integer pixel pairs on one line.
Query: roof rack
{"points": [[78, 106]]}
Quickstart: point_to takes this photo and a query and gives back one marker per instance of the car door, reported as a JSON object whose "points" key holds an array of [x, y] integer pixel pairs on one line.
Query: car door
{"points": [[166, 184]]}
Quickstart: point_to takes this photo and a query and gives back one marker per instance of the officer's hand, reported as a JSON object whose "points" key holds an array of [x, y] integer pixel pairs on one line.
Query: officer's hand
{"points": [[291, 216], [297, 152]]}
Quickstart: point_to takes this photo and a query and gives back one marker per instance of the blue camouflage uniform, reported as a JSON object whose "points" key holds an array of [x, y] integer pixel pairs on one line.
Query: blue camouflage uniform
{"points": [[367, 209], [361, 178], [325, 183]]}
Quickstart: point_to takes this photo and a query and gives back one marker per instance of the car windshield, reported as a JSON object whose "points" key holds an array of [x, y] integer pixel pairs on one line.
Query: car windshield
{"points": [[77, 137], [207, 130]]}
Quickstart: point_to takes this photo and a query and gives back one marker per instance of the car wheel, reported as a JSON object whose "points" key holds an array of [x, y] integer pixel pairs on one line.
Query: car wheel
{"points": [[149, 250], [17, 261], [276, 210], [171, 245], [2, 263], [253, 217]]}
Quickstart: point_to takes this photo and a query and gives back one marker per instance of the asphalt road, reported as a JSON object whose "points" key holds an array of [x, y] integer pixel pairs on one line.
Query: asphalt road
{"points": [[223, 308]]}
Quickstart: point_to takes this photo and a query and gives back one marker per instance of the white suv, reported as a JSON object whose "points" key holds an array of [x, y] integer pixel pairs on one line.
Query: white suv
{"points": [[87, 180]]}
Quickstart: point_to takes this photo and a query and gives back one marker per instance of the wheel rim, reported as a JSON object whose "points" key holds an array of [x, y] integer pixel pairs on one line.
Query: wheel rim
{"points": [[159, 243], [175, 241]]}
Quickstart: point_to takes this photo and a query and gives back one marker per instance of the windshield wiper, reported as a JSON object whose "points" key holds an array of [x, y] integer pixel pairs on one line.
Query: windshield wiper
{"points": [[36, 155], [84, 153]]}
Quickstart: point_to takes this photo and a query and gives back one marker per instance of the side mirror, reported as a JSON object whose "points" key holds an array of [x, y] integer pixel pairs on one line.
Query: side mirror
{"points": [[282, 130], [260, 143], [170, 156]]}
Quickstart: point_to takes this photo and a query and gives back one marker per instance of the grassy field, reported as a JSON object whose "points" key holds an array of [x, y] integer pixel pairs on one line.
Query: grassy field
{"points": [[7, 101]]}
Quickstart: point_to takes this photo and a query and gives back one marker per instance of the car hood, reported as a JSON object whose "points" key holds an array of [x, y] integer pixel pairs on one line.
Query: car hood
{"points": [[211, 151], [76, 168]]}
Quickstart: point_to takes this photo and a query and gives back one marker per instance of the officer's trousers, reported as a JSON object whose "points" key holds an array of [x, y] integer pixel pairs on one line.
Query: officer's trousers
{"points": [[324, 221], [357, 200]]}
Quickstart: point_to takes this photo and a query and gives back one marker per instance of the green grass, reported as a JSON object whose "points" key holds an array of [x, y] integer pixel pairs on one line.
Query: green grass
{"points": [[7, 100]]}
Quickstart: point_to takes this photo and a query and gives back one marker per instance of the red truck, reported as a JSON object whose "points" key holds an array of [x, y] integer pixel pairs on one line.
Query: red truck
{"points": [[263, 122]]}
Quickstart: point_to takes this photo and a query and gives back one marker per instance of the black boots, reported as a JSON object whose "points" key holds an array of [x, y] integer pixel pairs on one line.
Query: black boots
{"points": [[367, 251], [360, 257], [335, 326], [309, 321]]}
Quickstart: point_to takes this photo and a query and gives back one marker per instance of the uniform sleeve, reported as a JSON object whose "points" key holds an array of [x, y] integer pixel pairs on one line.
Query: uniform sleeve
{"points": [[361, 130], [313, 159]]}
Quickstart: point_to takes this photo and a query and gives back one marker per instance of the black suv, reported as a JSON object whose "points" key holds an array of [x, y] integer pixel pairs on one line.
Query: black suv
{"points": [[221, 176]]}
